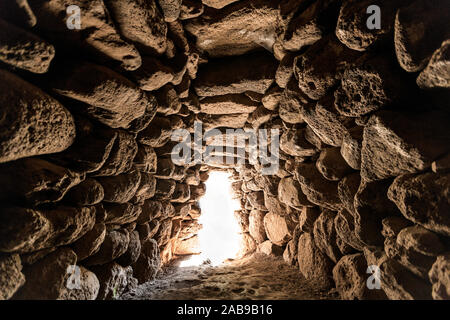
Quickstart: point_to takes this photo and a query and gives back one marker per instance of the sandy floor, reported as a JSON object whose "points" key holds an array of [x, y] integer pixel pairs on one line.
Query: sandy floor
{"points": [[255, 277]]}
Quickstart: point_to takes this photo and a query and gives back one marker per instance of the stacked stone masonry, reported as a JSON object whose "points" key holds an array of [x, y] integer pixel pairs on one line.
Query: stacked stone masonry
{"points": [[87, 116]]}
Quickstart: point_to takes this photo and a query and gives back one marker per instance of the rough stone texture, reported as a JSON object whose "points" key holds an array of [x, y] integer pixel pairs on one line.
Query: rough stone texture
{"points": [[290, 193], [347, 189], [314, 21], [436, 73], [391, 148], [371, 206], [317, 189], [115, 100], [371, 83], [325, 235], [24, 50], [96, 36], [227, 104], [11, 276], [351, 147], [140, 22], [279, 229], [352, 29], [148, 263], [325, 121], [34, 123], [317, 69], [332, 165], [115, 244], [423, 199], [27, 230], [270, 249], [89, 192], [89, 287], [36, 181], [350, 277], [294, 143], [90, 243], [114, 280], [133, 251], [313, 264], [400, 284], [416, 248], [236, 29], [121, 188], [253, 72], [47, 278], [439, 277], [121, 213], [121, 155], [415, 43], [256, 226], [344, 223]]}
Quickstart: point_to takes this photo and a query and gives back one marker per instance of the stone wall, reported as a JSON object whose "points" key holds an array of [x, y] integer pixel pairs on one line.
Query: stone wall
{"points": [[87, 117]]}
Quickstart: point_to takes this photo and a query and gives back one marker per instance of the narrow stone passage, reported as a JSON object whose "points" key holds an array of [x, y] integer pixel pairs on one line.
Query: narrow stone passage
{"points": [[257, 276]]}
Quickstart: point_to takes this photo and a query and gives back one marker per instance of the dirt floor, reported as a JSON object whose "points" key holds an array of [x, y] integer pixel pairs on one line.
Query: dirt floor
{"points": [[255, 277]]}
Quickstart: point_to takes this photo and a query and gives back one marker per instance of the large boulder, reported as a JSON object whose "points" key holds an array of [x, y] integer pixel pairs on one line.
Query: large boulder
{"points": [[317, 189], [34, 123], [47, 278], [87, 287], [148, 264], [89, 192], [236, 29], [256, 226], [121, 188], [313, 264], [90, 243], [35, 181], [253, 72], [24, 50], [279, 229], [424, 199], [416, 42], [114, 280], [290, 193], [350, 277], [140, 22], [398, 143], [97, 34], [113, 99], [27, 230], [120, 158], [332, 165], [317, 70], [369, 84], [400, 284], [325, 235], [115, 244]]}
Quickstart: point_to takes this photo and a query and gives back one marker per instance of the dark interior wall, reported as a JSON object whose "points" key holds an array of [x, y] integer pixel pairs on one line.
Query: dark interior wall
{"points": [[93, 205]]}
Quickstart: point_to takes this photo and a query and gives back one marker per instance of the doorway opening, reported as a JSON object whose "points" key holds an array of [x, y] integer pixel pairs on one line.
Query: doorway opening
{"points": [[220, 238]]}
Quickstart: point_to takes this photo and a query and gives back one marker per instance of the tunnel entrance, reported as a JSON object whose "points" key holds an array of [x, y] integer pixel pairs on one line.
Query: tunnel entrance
{"points": [[220, 238]]}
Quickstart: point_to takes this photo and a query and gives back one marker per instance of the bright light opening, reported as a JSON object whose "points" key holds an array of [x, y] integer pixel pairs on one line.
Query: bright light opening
{"points": [[220, 237]]}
